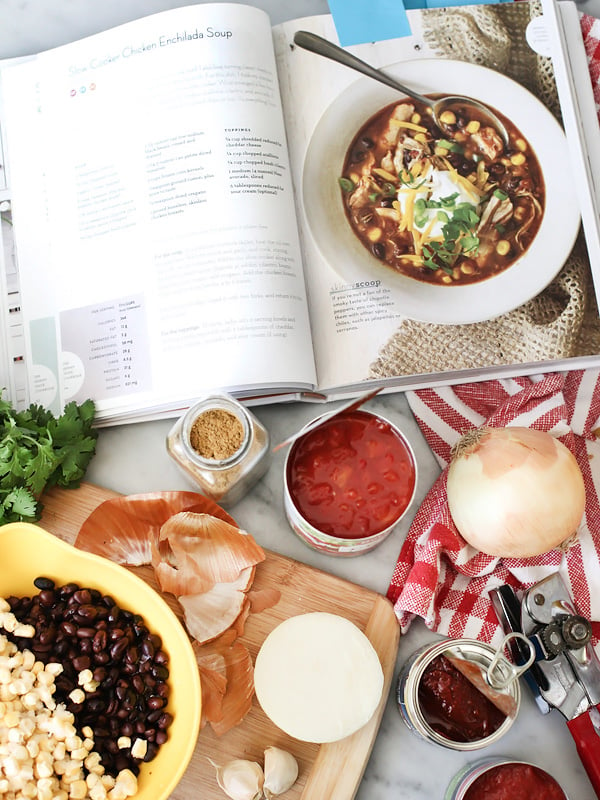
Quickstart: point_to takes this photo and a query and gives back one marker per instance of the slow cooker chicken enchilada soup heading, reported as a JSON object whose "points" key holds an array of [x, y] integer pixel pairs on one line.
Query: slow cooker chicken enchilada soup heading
{"points": [[448, 207]]}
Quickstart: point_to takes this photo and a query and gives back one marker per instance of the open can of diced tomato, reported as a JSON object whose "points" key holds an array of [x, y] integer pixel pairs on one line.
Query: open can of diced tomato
{"points": [[348, 482], [501, 778]]}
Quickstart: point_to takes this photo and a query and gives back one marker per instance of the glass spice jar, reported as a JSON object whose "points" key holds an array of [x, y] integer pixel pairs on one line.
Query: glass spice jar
{"points": [[221, 446]]}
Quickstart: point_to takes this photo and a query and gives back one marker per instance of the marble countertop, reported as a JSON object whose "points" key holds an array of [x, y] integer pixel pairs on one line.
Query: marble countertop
{"points": [[133, 458]]}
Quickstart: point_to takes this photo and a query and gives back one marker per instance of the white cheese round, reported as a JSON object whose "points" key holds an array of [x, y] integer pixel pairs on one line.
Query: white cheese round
{"points": [[318, 677]]}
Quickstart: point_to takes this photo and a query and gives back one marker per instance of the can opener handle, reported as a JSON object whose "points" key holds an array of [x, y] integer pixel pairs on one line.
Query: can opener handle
{"points": [[585, 730]]}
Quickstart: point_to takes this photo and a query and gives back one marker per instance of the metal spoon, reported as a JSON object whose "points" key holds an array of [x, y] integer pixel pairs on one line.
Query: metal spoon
{"points": [[323, 47]]}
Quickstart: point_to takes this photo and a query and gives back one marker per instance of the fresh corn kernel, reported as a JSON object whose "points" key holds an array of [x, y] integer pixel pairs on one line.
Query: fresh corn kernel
{"points": [[24, 631], [448, 117], [421, 137], [517, 159], [473, 126], [446, 279], [85, 676], [441, 151], [140, 748], [127, 782], [416, 118], [78, 790], [521, 145], [77, 696], [374, 234], [503, 247]]}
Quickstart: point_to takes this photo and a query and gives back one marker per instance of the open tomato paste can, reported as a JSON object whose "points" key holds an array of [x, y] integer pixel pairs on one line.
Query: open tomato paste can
{"points": [[348, 482], [445, 697], [502, 778]]}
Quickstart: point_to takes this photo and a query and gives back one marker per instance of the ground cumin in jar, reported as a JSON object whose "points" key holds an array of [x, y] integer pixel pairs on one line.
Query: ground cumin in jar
{"points": [[221, 446], [217, 434]]}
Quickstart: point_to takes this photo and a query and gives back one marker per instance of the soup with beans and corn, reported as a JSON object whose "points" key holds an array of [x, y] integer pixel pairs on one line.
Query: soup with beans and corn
{"points": [[448, 207]]}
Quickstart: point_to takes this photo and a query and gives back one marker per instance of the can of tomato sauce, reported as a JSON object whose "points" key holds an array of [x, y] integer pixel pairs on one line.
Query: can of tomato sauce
{"points": [[348, 482], [444, 698], [503, 779]]}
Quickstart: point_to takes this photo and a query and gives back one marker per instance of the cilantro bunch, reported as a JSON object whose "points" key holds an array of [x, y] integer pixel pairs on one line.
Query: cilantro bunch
{"points": [[39, 450]]}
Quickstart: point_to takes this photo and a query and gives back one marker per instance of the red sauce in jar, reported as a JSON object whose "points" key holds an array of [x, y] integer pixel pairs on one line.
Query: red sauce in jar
{"points": [[453, 706], [351, 477], [515, 782]]}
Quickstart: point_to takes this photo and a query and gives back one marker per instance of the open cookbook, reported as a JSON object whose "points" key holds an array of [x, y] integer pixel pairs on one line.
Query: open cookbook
{"points": [[192, 201]]}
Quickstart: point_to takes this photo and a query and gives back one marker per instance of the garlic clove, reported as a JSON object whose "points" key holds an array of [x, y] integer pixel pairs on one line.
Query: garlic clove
{"points": [[240, 779], [281, 771]]}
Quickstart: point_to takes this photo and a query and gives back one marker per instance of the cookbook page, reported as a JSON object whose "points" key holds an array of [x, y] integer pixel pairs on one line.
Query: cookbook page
{"points": [[153, 214], [394, 313]]}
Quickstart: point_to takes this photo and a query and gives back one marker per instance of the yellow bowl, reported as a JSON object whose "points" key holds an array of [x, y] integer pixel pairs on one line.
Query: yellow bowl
{"points": [[28, 551]]}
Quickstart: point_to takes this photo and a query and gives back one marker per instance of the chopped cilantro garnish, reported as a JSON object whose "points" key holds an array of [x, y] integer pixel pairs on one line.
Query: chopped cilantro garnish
{"points": [[458, 231], [346, 184]]}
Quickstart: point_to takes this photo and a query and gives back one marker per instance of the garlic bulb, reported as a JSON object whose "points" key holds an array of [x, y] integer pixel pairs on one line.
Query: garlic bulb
{"points": [[240, 779], [281, 771]]}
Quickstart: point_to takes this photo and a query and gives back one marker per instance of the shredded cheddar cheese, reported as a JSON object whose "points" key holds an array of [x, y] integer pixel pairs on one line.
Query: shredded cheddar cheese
{"points": [[400, 123], [383, 173]]}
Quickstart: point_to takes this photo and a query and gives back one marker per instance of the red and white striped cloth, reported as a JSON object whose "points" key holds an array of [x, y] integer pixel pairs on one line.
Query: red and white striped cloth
{"points": [[445, 581]]}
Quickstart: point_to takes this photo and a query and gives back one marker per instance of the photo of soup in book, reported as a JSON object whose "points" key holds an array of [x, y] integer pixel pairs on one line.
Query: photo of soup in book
{"points": [[446, 206], [463, 225]]}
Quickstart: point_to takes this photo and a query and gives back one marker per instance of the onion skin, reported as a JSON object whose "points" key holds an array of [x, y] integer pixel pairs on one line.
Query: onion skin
{"points": [[514, 492]]}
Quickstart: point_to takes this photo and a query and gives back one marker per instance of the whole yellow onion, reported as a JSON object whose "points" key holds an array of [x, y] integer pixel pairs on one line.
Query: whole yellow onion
{"points": [[514, 492]]}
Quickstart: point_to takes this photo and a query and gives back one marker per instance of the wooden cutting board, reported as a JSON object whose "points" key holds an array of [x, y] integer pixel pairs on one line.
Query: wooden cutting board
{"points": [[327, 772]]}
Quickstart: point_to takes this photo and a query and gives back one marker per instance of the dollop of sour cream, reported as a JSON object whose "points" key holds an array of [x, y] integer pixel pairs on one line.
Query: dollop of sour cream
{"points": [[437, 185]]}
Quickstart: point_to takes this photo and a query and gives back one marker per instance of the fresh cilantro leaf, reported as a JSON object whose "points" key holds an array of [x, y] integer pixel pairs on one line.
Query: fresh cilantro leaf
{"points": [[38, 450]]}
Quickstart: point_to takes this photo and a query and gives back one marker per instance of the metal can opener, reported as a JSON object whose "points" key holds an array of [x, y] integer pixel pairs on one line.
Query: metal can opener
{"points": [[565, 674]]}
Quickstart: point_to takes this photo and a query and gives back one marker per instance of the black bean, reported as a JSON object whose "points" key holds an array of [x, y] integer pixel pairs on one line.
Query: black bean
{"points": [[81, 662], [165, 720], [151, 751], [156, 702], [43, 583], [47, 635], [378, 250], [100, 640], [147, 649], [70, 628], [160, 671], [47, 597], [117, 648], [82, 596], [86, 633]]}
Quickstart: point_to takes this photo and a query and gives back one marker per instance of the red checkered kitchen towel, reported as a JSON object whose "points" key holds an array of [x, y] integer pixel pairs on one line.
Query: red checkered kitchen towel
{"points": [[445, 581]]}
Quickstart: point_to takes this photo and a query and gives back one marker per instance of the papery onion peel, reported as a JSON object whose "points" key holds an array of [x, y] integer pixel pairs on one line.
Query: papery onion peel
{"points": [[514, 492]]}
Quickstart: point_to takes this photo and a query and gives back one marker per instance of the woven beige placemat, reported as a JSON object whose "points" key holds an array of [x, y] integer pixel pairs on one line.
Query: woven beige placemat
{"points": [[562, 321]]}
